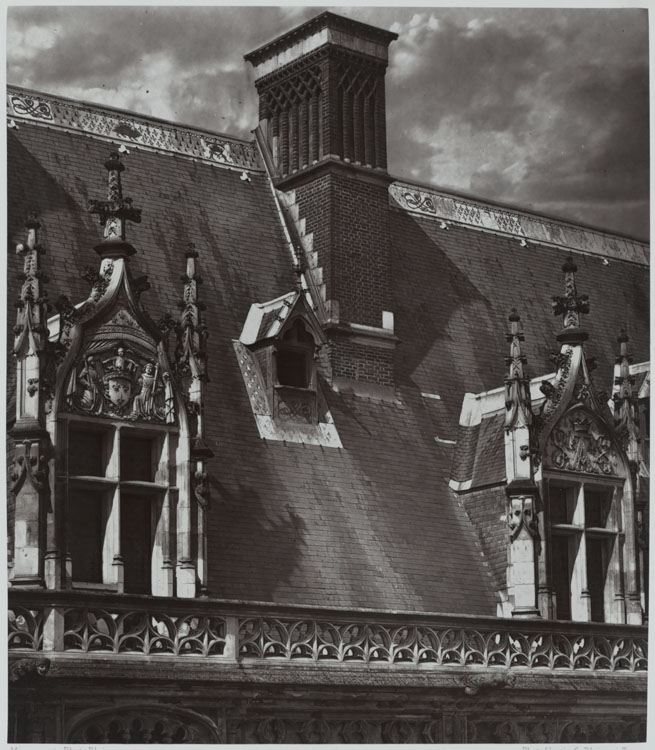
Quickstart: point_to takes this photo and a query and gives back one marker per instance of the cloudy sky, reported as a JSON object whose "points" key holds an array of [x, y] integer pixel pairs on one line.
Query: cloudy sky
{"points": [[547, 109]]}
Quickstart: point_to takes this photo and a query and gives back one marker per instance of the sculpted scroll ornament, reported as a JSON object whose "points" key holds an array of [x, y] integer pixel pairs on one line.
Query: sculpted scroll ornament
{"points": [[578, 444], [122, 387]]}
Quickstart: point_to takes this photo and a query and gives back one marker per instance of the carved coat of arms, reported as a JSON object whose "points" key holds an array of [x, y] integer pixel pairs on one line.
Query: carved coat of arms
{"points": [[578, 444], [123, 385]]}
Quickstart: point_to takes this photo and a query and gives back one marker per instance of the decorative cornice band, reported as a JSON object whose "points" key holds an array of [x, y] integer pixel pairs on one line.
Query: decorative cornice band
{"points": [[527, 227], [124, 127]]}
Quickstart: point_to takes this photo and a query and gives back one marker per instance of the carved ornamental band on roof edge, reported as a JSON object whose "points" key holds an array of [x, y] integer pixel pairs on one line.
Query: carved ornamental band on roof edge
{"points": [[527, 227], [215, 631], [127, 128]]}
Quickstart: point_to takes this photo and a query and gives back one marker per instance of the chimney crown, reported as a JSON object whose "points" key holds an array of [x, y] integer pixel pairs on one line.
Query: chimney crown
{"points": [[326, 28]]}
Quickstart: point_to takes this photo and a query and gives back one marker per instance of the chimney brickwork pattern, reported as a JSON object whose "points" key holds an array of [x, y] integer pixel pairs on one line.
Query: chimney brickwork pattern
{"points": [[330, 104]]}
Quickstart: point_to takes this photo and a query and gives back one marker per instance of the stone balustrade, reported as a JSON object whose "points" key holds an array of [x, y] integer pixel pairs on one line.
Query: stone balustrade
{"points": [[90, 623]]}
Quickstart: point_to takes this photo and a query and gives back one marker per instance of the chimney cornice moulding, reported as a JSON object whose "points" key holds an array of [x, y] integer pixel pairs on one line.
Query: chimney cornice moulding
{"points": [[330, 23]]}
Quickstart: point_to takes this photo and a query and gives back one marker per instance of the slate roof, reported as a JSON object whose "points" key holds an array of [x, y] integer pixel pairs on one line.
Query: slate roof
{"points": [[454, 289], [373, 524]]}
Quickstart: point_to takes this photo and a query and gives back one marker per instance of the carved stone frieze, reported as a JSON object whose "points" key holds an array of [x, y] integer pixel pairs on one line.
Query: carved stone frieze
{"points": [[578, 444], [148, 725], [540, 729], [283, 730], [120, 383]]}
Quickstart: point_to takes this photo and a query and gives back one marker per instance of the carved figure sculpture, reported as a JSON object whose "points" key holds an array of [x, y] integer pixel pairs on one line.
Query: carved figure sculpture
{"points": [[144, 401], [90, 379]]}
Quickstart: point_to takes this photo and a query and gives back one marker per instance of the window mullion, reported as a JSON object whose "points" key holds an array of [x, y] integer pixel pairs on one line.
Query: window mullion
{"points": [[580, 597], [162, 568], [113, 568]]}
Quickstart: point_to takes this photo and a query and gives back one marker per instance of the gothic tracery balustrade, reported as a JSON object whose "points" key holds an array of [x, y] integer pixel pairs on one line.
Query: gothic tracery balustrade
{"points": [[25, 629], [216, 630], [264, 638], [143, 632]]}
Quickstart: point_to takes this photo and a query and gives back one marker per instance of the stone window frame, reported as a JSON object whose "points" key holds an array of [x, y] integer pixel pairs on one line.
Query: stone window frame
{"points": [[578, 487], [163, 491]]}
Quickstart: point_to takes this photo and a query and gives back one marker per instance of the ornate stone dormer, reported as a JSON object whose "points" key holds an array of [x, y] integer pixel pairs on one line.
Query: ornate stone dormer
{"points": [[120, 482], [573, 500], [590, 569]]}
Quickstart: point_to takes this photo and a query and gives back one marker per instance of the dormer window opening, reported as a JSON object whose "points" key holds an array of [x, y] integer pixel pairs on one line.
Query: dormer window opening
{"points": [[294, 357]]}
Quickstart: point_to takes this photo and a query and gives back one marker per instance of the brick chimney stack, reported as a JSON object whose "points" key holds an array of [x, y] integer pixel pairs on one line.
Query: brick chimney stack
{"points": [[322, 120], [321, 90]]}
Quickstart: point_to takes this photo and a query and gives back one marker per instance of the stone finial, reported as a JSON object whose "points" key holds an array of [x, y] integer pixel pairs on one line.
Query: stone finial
{"points": [[192, 331], [115, 211], [624, 380], [30, 331], [570, 306], [625, 418], [517, 384], [191, 355], [191, 361]]}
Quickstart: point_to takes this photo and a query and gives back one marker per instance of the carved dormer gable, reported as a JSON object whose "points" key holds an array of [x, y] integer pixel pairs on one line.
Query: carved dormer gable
{"points": [[572, 382], [580, 442], [112, 361], [280, 353]]}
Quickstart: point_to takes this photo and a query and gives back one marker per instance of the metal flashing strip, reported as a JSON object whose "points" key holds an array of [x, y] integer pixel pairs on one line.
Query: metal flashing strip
{"points": [[128, 128], [525, 226]]}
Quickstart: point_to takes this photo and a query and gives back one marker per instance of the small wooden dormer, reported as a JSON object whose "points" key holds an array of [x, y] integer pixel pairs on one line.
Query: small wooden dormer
{"points": [[278, 353]]}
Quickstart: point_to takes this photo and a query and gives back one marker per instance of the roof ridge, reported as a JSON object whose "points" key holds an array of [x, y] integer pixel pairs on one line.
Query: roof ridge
{"points": [[501, 205], [527, 226], [64, 113]]}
